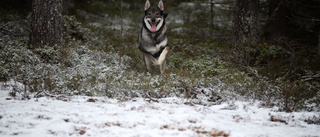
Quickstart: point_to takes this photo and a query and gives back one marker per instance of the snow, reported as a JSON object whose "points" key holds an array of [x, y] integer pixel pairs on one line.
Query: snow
{"points": [[100, 116]]}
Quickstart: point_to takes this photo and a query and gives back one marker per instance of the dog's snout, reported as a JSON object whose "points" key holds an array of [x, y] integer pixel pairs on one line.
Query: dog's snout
{"points": [[153, 19]]}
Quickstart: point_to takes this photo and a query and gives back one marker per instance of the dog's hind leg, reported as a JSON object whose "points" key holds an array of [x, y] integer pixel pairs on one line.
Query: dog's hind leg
{"points": [[149, 64], [151, 58]]}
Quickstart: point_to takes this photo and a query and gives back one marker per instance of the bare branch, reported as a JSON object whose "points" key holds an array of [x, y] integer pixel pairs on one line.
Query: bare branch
{"points": [[117, 5], [309, 78]]}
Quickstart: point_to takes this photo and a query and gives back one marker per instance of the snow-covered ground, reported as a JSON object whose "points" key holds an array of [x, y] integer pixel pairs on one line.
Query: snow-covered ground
{"points": [[99, 116]]}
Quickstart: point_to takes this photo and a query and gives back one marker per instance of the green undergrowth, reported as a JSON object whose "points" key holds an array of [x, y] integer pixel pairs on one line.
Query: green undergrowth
{"points": [[88, 64]]}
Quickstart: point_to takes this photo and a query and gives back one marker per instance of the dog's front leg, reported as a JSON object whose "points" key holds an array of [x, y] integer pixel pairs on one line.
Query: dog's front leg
{"points": [[163, 55], [163, 43], [162, 59]]}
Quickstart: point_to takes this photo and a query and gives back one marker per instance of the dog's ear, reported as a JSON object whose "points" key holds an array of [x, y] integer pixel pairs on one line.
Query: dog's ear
{"points": [[160, 5], [147, 5], [165, 15]]}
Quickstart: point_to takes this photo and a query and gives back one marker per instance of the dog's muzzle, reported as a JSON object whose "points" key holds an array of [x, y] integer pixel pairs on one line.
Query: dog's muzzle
{"points": [[153, 24]]}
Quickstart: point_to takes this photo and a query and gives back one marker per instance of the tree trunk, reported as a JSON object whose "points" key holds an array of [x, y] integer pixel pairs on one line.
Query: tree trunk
{"points": [[46, 22], [319, 44], [246, 22], [211, 13]]}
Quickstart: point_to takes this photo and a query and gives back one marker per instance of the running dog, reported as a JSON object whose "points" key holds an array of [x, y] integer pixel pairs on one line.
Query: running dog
{"points": [[153, 42]]}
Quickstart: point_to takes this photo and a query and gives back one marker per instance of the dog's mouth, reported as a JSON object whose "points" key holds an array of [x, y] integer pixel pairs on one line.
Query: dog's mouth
{"points": [[153, 26]]}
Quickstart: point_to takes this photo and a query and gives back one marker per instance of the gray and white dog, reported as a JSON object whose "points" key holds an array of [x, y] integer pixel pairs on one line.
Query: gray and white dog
{"points": [[153, 40]]}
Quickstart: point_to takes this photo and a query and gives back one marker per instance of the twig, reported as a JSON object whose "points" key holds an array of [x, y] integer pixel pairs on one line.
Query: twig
{"points": [[154, 100], [227, 2], [58, 97], [308, 78], [255, 72], [9, 23], [116, 5], [4, 31], [271, 18], [2, 28], [121, 37]]}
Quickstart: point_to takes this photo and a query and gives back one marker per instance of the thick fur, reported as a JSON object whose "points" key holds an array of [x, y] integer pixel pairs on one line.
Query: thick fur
{"points": [[153, 40]]}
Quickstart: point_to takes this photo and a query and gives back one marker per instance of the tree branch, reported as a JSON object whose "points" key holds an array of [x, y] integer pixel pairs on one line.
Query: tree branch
{"points": [[309, 78], [117, 5]]}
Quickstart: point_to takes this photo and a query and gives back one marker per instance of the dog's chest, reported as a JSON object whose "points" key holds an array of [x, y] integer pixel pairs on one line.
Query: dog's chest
{"points": [[153, 35], [155, 48]]}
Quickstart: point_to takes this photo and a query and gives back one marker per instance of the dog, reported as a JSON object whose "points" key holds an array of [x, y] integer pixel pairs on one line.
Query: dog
{"points": [[153, 42]]}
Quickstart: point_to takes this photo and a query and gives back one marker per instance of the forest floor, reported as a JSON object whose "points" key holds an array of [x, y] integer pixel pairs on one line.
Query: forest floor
{"points": [[101, 116]]}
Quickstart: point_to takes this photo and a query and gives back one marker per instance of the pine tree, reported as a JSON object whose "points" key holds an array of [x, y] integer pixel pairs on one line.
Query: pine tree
{"points": [[46, 22], [246, 22]]}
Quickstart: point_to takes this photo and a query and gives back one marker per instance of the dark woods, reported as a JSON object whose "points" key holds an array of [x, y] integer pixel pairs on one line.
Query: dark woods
{"points": [[254, 21], [293, 20]]}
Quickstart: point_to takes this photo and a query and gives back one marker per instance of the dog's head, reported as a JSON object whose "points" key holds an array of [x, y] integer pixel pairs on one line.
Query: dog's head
{"points": [[154, 17]]}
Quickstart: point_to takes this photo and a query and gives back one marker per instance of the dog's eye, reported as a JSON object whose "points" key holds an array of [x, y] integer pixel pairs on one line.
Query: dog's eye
{"points": [[149, 13], [157, 13]]}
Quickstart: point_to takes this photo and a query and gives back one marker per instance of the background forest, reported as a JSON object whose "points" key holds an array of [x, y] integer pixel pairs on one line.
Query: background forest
{"points": [[267, 50]]}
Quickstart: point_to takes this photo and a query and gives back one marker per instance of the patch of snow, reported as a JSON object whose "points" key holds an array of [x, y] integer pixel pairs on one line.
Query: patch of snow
{"points": [[187, 4], [99, 116]]}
